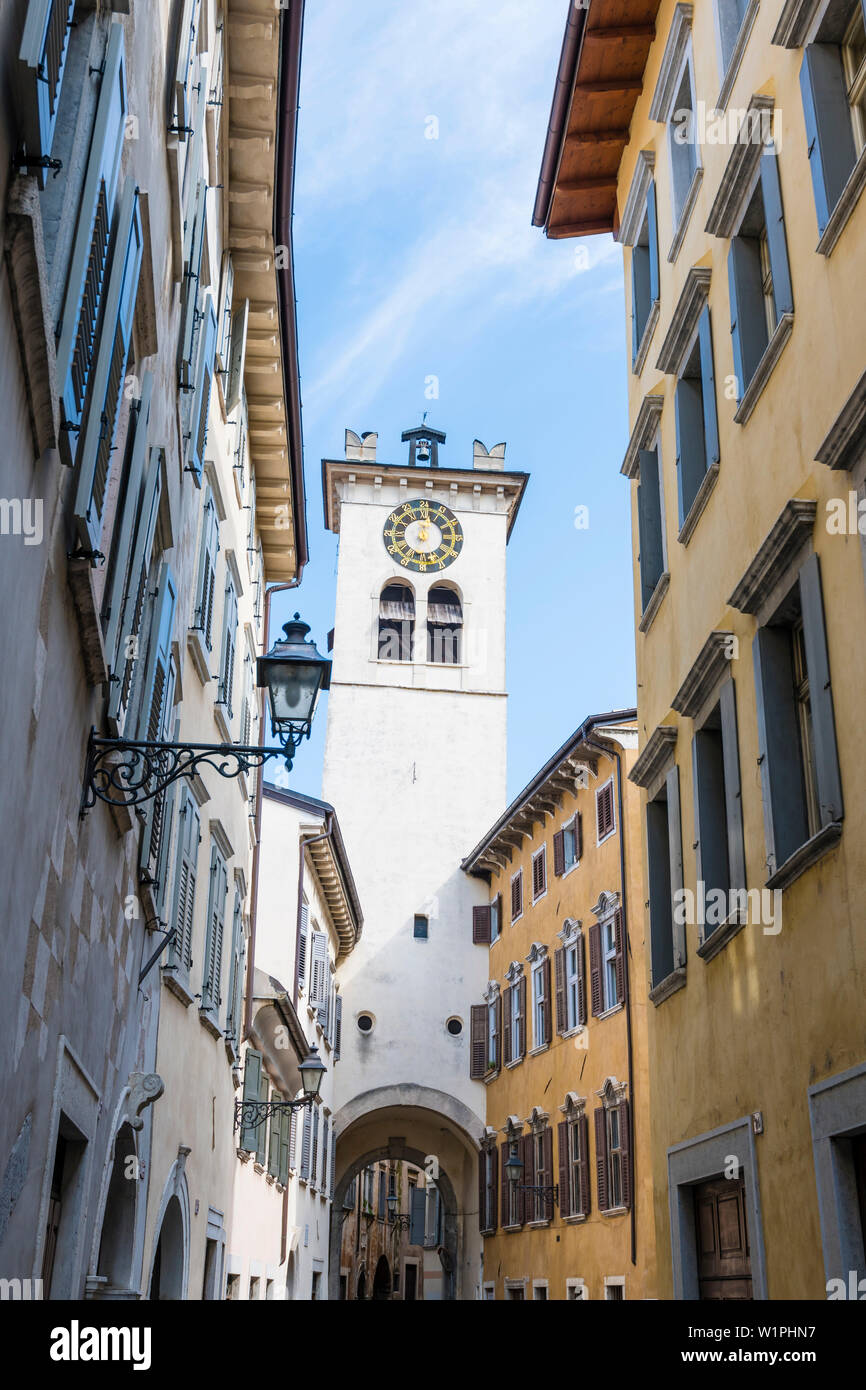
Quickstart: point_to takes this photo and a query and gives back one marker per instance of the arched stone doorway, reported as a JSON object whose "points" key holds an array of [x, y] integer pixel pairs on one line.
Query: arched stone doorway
{"points": [[382, 1281], [118, 1223], [166, 1280], [361, 1291], [415, 1124]]}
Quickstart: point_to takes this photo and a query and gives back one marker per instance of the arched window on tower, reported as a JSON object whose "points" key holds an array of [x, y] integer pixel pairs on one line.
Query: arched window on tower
{"points": [[444, 625], [396, 622]]}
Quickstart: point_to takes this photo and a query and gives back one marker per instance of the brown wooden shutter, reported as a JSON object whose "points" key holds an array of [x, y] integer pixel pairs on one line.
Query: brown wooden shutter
{"points": [[506, 1026], [564, 1166], [596, 989], [478, 1041], [503, 1182], [517, 895], [494, 1187], [521, 1022], [583, 1169], [601, 1157], [559, 853], [527, 1147], [499, 916], [498, 1015], [481, 926], [545, 1004], [559, 976], [547, 1150], [578, 836], [581, 979], [539, 874], [620, 963], [625, 1146], [482, 1190]]}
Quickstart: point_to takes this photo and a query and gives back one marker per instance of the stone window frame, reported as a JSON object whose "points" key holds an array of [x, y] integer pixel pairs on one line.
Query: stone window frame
{"points": [[676, 60], [837, 1110]]}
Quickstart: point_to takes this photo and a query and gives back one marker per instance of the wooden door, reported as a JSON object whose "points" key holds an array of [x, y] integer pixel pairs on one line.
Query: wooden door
{"points": [[722, 1239]]}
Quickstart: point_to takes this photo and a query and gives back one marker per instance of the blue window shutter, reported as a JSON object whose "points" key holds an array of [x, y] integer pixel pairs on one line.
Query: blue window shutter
{"points": [[215, 920], [733, 790], [225, 323], [652, 223], [126, 660], [186, 874], [640, 295], [109, 372], [76, 332], [828, 126], [252, 1089], [675, 843], [44, 46], [649, 514], [152, 710], [417, 1214], [691, 457], [708, 389], [191, 284], [139, 418], [820, 693], [164, 843], [230, 632], [748, 324], [203, 616], [785, 823], [777, 241], [201, 399]]}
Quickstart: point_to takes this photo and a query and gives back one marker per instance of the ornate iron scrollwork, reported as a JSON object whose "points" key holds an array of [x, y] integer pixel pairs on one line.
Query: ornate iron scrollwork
{"points": [[249, 1114]]}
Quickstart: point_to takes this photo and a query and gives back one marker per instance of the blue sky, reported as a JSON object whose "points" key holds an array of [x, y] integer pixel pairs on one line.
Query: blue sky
{"points": [[415, 257]]}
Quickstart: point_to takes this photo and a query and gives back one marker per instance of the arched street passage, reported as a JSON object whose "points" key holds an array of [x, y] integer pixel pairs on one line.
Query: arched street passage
{"points": [[382, 1280]]}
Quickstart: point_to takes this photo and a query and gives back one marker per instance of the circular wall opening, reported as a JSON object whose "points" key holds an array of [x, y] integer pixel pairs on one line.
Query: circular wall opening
{"points": [[455, 1027], [365, 1023]]}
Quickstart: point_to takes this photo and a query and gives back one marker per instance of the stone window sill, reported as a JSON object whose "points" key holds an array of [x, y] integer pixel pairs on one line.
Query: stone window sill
{"points": [[771, 354], [808, 854], [28, 283], [655, 602], [200, 654], [515, 1063], [696, 510], [848, 200], [538, 1225], [607, 1013], [637, 365], [258, 1167], [576, 1218], [80, 575], [178, 982], [668, 986], [615, 1211], [209, 1022], [537, 1051], [509, 1229], [490, 1076], [720, 936]]}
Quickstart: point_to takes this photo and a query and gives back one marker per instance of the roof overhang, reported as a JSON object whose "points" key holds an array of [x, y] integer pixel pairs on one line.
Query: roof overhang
{"points": [[474, 482], [599, 80], [263, 58], [324, 846], [273, 1018]]}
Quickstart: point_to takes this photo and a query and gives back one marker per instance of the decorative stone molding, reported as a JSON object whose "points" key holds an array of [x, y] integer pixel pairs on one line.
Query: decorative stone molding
{"points": [[696, 510], [709, 666], [770, 356], [632, 216], [677, 42], [848, 199], [606, 906], [80, 576], [571, 929], [491, 993], [643, 433], [791, 529], [845, 441], [612, 1092], [737, 55], [144, 1089], [745, 156], [514, 972], [685, 216], [28, 287], [655, 602], [658, 751], [794, 22], [513, 1127], [537, 952], [684, 320], [537, 1119], [808, 854], [646, 338], [573, 1105], [668, 986]]}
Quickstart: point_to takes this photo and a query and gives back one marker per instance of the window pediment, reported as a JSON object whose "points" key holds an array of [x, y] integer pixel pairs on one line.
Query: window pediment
{"points": [[514, 972], [573, 1105], [606, 906], [491, 994], [612, 1092], [571, 929], [537, 952]]}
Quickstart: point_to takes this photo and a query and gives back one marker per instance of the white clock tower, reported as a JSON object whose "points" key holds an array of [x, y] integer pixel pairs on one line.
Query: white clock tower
{"points": [[415, 752]]}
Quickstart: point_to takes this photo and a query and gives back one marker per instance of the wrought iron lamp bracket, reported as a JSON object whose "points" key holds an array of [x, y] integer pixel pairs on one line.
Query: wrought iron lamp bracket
{"points": [[249, 1114]]}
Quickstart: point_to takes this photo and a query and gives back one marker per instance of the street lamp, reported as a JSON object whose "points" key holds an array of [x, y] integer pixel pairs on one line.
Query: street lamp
{"points": [[399, 1220], [514, 1166], [249, 1114], [127, 772]]}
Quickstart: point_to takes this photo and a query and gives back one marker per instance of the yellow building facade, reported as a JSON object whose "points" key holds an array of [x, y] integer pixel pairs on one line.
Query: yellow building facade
{"points": [[560, 1036], [726, 152]]}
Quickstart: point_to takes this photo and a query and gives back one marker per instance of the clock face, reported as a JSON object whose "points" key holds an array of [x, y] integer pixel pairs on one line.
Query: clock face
{"points": [[423, 535]]}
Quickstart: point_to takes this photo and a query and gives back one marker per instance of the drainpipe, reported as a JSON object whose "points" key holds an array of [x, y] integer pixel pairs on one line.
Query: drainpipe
{"points": [[615, 753]]}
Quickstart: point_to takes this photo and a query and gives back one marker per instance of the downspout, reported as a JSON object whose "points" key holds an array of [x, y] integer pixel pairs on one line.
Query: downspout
{"points": [[614, 753]]}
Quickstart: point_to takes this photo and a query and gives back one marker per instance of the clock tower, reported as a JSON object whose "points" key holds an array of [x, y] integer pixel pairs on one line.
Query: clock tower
{"points": [[415, 749]]}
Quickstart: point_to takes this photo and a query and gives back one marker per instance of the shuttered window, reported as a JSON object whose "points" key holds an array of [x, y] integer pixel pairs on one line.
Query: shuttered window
{"points": [[200, 412], [155, 715], [650, 517], [478, 1041], [314, 1149], [205, 586], [320, 976], [184, 63], [303, 934], [252, 1090], [230, 634], [758, 274], [830, 127], [665, 868], [130, 604], [541, 1003], [99, 431], [185, 874], [274, 1139], [119, 566], [801, 784], [338, 1027], [570, 985], [396, 623], [604, 813], [285, 1145], [237, 356], [718, 807], [211, 997], [539, 873], [249, 712], [417, 1214], [697, 430], [574, 1185], [613, 1156], [481, 925], [517, 896], [44, 47], [234, 1007], [644, 272], [85, 284], [683, 152], [306, 1142], [488, 1171], [262, 1130]]}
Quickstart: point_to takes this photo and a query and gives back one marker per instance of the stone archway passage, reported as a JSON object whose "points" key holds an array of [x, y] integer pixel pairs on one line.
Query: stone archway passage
{"points": [[382, 1280], [118, 1223], [166, 1281]]}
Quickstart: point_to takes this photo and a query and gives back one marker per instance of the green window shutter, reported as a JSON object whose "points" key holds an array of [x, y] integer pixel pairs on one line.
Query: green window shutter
{"points": [[276, 1123], [748, 323], [264, 1095], [122, 554], [236, 976], [186, 872], [820, 694], [106, 384], [733, 792], [306, 1139], [691, 455], [164, 846], [79, 315], [417, 1213], [132, 609], [777, 242], [660, 900], [237, 356], [828, 126], [640, 292], [252, 1087], [230, 633], [785, 823], [314, 1148], [44, 47], [215, 921], [285, 1145]]}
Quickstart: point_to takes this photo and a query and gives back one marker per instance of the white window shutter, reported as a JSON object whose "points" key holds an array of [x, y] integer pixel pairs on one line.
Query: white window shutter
{"points": [[237, 356]]}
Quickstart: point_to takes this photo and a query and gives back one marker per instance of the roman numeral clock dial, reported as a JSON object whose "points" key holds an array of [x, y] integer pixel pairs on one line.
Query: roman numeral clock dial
{"points": [[423, 535]]}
